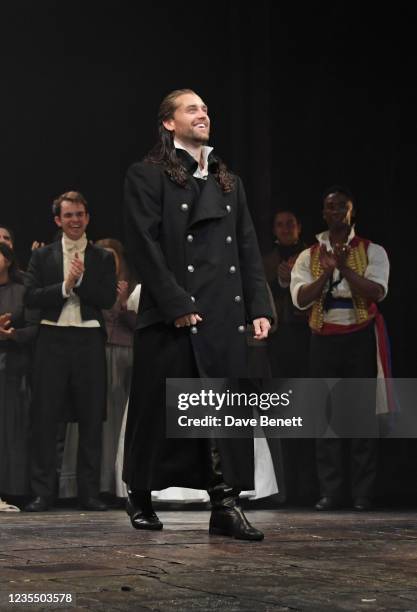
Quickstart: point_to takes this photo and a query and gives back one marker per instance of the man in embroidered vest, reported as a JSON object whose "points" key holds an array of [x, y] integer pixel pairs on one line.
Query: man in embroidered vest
{"points": [[70, 281], [340, 279]]}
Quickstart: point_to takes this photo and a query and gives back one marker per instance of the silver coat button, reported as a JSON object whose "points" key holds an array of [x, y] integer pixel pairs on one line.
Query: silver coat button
{"points": [[241, 329], [190, 237], [228, 208], [190, 268], [228, 239], [192, 298], [237, 298], [232, 269], [193, 329], [184, 207]]}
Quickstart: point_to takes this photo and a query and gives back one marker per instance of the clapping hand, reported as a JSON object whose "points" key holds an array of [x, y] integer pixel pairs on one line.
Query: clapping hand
{"points": [[6, 332], [36, 245], [341, 252], [122, 292], [75, 272], [327, 259]]}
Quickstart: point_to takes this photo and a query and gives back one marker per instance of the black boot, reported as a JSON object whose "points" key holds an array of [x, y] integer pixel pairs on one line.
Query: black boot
{"points": [[227, 517], [139, 508]]}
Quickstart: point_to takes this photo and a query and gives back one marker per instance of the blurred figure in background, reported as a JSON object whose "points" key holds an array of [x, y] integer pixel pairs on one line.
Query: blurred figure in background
{"points": [[17, 333], [339, 280], [288, 350], [71, 281], [120, 324], [6, 236], [289, 345]]}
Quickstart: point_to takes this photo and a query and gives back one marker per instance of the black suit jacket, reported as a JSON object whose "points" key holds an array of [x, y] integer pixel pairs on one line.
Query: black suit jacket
{"points": [[45, 276]]}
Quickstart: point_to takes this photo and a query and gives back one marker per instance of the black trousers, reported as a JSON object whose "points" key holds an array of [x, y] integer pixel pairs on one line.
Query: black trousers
{"points": [[347, 356], [69, 362]]}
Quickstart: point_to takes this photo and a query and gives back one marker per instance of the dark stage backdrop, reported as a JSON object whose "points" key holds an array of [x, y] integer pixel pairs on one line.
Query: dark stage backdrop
{"points": [[300, 98]]}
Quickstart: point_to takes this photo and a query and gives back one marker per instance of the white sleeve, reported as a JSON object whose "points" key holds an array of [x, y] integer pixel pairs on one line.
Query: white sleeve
{"points": [[301, 275], [378, 266]]}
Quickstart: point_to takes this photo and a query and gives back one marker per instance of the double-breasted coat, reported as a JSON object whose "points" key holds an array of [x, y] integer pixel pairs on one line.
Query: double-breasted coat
{"points": [[195, 250]]}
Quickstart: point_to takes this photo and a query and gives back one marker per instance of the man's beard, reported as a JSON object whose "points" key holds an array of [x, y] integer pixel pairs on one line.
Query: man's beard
{"points": [[199, 138]]}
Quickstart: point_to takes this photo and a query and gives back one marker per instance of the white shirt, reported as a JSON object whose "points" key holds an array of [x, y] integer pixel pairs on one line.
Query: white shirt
{"points": [[201, 173], [71, 312], [377, 271]]}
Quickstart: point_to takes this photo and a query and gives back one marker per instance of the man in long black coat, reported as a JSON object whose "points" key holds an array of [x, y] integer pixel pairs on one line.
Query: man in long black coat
{"points": [[195, 249]]}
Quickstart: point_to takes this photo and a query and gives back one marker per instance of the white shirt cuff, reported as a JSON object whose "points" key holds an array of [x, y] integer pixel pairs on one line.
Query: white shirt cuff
{"points": [[77, 284]]}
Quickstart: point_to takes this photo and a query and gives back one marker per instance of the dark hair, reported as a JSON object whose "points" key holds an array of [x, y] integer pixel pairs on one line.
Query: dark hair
{"points": [[11, 232], [164, 153], [69, 196], [339, 189], [125, 271], [14, 272], [286, 211]]}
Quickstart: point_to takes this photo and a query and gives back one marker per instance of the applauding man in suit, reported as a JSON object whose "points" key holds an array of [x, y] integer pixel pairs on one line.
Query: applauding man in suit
{"points": [[70, 281]]}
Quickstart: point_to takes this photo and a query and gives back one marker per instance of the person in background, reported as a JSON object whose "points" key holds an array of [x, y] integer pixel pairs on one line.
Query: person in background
{"points": [[339, 280], [71, 282], [288, 350], [120, 323], [17, 333], [288, 347], [6, 236]]}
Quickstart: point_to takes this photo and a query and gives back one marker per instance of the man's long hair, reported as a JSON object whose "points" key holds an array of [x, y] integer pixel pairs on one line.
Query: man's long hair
{"points": [[164, 150]]}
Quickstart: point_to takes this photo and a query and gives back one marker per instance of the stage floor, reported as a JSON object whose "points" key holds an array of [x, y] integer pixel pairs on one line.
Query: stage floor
{"points": [[308, 561]]}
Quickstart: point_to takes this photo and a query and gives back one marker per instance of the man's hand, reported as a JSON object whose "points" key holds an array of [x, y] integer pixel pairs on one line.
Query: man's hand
{"points": [[341, 252], [5, 320], [187, 320], [36, 245], [75, 272], [327, 259], [7, 334], [261, 328]]}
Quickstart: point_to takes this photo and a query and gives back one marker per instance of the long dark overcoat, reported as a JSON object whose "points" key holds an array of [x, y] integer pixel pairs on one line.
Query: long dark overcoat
{"points": [[195, 250]]}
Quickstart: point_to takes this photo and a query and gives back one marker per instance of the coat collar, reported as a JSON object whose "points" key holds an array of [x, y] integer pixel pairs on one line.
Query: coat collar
{"points": [[191, 164], [187, 160]]}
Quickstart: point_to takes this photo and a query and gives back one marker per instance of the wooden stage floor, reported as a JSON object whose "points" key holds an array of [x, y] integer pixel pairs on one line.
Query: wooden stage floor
{"points": [[308, 561]]}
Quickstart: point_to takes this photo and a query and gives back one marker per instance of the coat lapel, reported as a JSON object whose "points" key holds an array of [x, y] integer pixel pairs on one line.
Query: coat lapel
{"points": [[57, 270], [209, 204], [88, 254]]}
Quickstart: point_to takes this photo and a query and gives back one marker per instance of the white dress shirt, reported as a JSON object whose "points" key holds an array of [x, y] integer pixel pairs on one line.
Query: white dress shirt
{"points": [[201, 173], [71, 312]]}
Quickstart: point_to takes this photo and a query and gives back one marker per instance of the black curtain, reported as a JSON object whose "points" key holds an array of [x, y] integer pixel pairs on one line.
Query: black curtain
{"points": [[300, 96]]}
